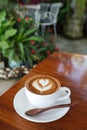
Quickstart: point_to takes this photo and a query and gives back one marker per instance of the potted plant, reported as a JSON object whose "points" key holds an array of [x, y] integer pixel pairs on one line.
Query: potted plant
{"points": [[25, 33], [75, 22], [23, 45], [27, 46], [13, 36]]}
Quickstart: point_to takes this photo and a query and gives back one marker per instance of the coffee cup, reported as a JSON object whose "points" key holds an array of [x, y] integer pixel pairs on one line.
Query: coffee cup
{"points": [[45, 90]]}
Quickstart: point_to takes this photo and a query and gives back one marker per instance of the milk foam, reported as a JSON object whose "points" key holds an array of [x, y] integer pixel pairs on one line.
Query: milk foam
{"points": [[45, 85], [44, 82]]}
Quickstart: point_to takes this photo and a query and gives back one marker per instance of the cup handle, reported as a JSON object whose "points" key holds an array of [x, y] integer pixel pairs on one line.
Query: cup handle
{"points": [[64, 93]]}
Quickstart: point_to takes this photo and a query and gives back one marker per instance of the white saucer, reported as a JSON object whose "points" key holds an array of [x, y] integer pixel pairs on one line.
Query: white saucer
{"points": [[21, 104]]}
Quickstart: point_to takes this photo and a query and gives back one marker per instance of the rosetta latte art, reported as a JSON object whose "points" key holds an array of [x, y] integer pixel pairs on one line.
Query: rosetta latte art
{"points": [[42, 84]]}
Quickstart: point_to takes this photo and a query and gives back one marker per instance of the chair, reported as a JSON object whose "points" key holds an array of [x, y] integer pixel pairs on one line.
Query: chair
{"points": [[50, 17], [44, 8]]}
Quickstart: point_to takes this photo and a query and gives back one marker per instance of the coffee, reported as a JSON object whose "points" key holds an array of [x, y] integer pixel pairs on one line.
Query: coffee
{"points": [[42, 84]]}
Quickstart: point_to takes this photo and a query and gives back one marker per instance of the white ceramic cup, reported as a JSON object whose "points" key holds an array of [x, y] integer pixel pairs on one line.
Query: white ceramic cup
{"points": [[38, 100]]}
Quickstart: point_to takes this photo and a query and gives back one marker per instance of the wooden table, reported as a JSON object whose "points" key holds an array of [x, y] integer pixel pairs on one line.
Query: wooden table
{"points": [[71, 70]]}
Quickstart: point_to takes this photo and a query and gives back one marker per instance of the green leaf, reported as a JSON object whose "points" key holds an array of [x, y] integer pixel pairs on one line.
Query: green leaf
{"points": [[20, 34], [12, 43], [42, 49], [35, 38], [9, 53], [21, 48], [9, 33], [4, 45], [8, 23], [29, 32], [30, 61], [2, 17], [16, 58]]}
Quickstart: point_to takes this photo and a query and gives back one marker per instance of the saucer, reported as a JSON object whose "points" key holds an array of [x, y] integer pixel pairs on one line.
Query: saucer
{"points": [[22, 104]]}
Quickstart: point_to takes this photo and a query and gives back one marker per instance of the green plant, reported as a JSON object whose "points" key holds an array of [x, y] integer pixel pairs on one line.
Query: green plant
{"points": [[27, 45], [6, 32], [17, 49], [80, 8], [75, 22]]}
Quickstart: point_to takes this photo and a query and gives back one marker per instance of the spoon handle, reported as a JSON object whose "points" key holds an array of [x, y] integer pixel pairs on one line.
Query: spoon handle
{"points": [[39, 110], [61, 106]]}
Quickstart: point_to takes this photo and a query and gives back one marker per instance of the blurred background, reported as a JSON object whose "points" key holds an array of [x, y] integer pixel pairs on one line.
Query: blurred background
{"points": [[71, 36]]}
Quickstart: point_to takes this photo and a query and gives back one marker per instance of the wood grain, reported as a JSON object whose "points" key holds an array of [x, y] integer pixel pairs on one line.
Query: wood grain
{"points": [[71, 70]]}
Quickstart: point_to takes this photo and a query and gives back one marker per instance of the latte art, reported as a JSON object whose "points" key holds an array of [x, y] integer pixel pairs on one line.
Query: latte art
{"points": [[43, 84]]}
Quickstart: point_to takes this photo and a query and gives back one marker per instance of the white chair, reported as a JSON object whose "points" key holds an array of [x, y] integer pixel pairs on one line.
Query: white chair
{"points": [[51, 17], [44, 8]]}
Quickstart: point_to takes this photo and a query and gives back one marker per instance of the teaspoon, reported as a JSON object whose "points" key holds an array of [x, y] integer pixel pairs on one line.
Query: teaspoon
{"points": [[35, 111]]}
